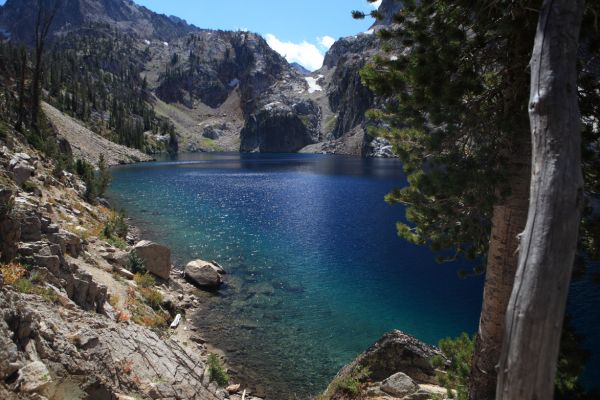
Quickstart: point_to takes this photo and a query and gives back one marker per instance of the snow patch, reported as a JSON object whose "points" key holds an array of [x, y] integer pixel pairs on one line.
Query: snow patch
{"points": [[166, 44], [147, 42], [273, 105], [394, 58], [313, 86], [369, 32]]}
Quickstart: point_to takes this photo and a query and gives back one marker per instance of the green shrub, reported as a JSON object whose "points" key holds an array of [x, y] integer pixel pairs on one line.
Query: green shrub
{"points": [[29, 186], [152, 297], [216, 370], [28, 287], [456, 378], [117, 242], [23, 285], [144, 280], [135, 264], [349, 386], [115, 230]]}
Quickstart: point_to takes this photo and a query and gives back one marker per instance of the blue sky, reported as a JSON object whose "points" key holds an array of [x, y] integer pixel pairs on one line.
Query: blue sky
{"points": [[301, 30]]}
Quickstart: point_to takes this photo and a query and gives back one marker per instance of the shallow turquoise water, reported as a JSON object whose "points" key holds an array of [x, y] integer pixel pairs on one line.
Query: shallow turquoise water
{"points": [[317, 273]]}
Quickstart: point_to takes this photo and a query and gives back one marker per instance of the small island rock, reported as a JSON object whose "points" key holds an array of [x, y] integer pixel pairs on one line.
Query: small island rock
{"points": [[203, 274]]}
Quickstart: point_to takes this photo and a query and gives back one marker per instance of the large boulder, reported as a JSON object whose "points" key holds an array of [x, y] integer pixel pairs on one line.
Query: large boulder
{"points": [[34, 377], [203, 274], [21, 167], [156, 258], [399, 385]]}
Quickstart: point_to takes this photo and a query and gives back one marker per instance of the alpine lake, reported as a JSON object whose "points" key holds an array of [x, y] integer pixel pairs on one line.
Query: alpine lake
{"points": [[316, 270]]}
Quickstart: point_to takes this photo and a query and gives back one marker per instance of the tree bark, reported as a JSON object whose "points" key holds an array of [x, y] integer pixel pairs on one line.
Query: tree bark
{"points": [[508, 221], [535, 312], [508, 218]]}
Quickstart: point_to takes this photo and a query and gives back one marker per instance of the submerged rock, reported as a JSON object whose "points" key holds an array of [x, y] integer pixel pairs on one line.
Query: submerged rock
{"points": [[156, 258], [203, 274]]}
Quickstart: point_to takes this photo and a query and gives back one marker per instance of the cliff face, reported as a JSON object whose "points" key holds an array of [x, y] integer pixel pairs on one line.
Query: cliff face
{"points": [[347, 98]]}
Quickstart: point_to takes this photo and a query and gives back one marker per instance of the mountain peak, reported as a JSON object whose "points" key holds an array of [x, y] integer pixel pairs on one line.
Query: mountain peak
{"points": [[18, 16]]}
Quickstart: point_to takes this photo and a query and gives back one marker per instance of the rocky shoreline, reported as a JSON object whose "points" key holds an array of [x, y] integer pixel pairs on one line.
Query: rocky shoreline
{"points": [[74, 322]]}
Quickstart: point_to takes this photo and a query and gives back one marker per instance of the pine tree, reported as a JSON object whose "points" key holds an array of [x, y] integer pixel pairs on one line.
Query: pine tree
{"points": [[454, 76]]}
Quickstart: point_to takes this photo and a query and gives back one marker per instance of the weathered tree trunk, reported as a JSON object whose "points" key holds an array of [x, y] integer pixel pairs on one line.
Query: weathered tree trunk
{"points": [[535, 312], [21, 107], [36, 84], [43, 23]]}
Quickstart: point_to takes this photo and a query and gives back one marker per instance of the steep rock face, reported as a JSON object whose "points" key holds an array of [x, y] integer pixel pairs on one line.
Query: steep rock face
{"points": [[279, 127], [388, 9], [210, 65], [213, 66], [348, 97]]}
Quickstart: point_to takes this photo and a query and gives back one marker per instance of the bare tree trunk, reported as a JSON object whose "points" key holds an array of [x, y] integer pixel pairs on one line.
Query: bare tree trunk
{"points": [[21, 107], [536, 309], [43, 23], [36, 83]]}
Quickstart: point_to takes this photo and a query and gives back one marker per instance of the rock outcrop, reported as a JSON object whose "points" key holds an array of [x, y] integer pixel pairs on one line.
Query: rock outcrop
{"points": [[69, 327], [347, 98], [398, 352], [278, 127], [399, 367], [69, 350]]}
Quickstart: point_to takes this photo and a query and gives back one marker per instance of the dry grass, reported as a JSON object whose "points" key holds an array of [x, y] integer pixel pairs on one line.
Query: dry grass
{"points": [[12, 272]]}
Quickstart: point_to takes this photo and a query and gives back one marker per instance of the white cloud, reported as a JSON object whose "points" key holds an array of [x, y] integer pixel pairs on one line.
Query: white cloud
{"points": [[326, 41], [305, 54], [376, 4]]}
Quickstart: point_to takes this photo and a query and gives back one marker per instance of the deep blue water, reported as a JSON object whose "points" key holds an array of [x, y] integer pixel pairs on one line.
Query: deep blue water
{"points": [[317, 272]]}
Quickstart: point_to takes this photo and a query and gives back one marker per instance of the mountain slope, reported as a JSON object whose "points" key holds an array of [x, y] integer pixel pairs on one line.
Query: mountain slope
{"points": [[223, 81]]}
